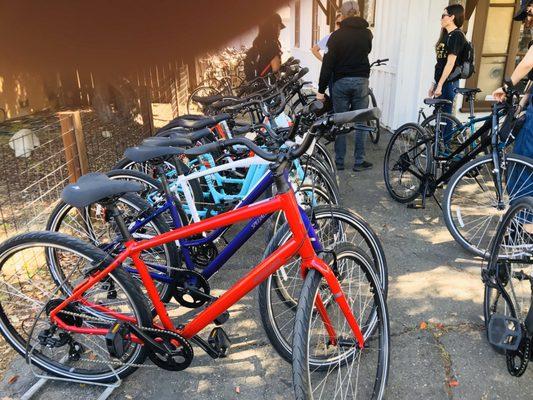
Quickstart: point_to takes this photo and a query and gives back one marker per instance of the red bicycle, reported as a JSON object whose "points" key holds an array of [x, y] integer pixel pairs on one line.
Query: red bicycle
{"points": [[103, 329]]}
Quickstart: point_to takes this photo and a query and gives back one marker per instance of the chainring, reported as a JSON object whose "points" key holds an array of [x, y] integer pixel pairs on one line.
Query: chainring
{"points": [[203, 254], [187, 280], [178, 355]]}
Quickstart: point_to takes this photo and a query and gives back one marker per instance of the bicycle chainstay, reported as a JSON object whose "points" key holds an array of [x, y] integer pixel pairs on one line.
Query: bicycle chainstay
{"points": [[165, 359]]}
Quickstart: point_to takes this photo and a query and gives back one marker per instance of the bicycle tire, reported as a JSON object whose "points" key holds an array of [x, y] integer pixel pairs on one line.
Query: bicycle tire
{"points": [[375, 123], [62, 211], [468, 175], [91, 254], [504, 247], [304, 366], [271, 290], [412, 189]]}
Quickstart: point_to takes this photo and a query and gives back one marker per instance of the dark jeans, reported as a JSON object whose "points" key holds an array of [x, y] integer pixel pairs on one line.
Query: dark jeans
{"points": [[350, 94], [448, 94], [519, 180]]}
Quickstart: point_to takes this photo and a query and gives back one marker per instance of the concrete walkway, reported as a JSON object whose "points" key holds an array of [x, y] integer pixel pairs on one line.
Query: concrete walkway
{"points": [[434, 284]]}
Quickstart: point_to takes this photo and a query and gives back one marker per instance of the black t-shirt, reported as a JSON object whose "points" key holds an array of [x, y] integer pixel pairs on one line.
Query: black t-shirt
{"points": [[452, 43], [267, 51]]}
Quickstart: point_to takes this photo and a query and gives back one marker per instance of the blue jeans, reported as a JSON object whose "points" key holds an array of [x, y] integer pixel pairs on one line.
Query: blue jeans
{"points": [[448, 94], [519, 181], [350, 93]]}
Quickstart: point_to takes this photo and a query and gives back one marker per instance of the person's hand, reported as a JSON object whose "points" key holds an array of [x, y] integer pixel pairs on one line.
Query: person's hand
{"points": [[321, 97], [438, 91], [431, 91], [499, 94]]}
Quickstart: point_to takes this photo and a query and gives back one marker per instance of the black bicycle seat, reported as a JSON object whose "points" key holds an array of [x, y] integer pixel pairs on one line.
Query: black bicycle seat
{"points": [[172, 141], [206, 100], [142, 154], [95, 187], [467, 91], [192, 136], [436, 102]]}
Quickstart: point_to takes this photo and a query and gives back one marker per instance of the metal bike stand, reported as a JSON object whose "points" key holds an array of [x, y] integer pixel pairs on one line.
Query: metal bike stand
{"points": [[43, 379]]}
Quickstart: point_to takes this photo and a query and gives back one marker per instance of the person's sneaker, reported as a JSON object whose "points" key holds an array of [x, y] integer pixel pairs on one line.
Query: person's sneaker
{"points": [[363, 166], [340, 167]]}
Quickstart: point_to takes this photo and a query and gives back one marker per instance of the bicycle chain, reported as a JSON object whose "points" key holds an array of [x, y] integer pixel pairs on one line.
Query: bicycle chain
{"points": [[182, 340]]}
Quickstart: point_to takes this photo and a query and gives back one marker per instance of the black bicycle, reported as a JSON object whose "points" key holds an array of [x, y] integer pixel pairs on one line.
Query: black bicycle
{"points": [[479, 188], [508, 280]]}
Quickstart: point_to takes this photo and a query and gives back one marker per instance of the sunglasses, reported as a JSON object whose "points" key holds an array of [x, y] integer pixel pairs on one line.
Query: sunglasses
{"points": [[444, 15]]}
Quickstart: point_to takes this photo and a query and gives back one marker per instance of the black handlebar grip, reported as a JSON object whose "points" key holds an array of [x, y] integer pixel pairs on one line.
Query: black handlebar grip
{"points": [[206, 148], [250, 145]]}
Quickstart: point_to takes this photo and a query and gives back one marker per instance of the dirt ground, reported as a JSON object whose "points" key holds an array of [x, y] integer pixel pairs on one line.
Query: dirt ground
{"points": [[439, 350]]}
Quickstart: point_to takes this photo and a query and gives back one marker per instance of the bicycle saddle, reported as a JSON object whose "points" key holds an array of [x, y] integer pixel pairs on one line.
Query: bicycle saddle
{"points": [[166, 141], [207, 100], [467, 91], [142, 154], [95, 187], [192, 136], [436, 102]]}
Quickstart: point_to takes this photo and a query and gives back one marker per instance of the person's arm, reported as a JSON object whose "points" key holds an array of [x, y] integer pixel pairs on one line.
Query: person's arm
{"points": [[275, 64], [316, 52], [327, 69], [450, 64], [520, 72]]}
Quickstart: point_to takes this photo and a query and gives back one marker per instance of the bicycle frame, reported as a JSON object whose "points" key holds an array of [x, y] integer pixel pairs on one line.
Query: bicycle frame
{"points": [[299, 244], [235, 244]]}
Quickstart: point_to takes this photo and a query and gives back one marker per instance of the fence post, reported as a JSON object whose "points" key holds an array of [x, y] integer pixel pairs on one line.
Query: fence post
{"points": [[80, 142], [68, 135]]}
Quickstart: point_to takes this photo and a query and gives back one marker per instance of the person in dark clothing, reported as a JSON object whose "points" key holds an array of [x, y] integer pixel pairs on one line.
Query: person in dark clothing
{"points": [[449, 49], [266, 48], [346, 63]]}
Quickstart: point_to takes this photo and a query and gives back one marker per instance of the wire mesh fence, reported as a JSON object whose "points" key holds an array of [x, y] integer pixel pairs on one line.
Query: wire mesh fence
{"points": [[41, 153]]}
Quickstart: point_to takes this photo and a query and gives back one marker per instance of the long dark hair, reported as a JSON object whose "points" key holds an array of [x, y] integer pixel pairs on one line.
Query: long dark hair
{"points": [[267, 33], [458, 12]]}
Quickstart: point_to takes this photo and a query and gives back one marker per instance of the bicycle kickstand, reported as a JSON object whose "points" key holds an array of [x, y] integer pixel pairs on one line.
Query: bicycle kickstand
{"points": [[423, 192]]}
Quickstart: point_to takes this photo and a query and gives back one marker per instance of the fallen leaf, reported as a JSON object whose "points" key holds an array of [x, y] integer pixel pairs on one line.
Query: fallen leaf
{"points": [[453, 383], [237, 389], [423, 325], [13, 379]]}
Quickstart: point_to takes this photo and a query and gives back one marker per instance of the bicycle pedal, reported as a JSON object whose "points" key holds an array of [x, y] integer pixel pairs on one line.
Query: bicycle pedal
{"points": [[115, 340], [219, 341], [222, 318], [505, 332]]}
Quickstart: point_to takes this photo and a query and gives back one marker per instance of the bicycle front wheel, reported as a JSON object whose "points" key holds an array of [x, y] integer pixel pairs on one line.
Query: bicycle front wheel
{"points": [[470, 205], [323, 367], [278, 295], [510, 265]]}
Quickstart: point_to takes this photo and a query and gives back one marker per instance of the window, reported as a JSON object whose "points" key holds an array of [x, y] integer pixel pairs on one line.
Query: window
{"points": [[297, 23], [499, 43]]}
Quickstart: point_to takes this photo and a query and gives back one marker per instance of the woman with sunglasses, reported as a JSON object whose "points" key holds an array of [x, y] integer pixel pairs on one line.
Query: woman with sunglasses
{"points": [[449, 48]]}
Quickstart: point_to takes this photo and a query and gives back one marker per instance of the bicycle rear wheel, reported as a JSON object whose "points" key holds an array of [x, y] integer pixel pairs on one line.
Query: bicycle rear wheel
{"points": [[375, 133], [407, 159], [325, 368], [470, 205], [90, 224], [28, 293]]}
